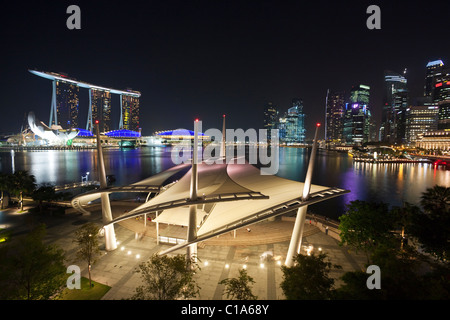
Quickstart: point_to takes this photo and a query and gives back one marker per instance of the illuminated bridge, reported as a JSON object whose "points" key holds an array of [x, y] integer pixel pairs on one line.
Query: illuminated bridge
{"points": [[65, 104]]}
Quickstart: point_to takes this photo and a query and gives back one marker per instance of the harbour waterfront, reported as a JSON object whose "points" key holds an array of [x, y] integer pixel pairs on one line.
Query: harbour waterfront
{"points": [[392, 183]]}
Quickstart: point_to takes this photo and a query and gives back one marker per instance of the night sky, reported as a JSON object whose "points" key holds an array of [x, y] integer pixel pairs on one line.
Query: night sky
{"points": [[202, 59]]}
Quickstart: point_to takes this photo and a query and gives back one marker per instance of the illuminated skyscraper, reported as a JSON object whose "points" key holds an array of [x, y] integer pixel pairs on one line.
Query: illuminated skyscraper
{"points": [[335, 106], [441, 86], [421, 119], [295, 123], [67, 104], [270, 118], [438, 84], [100, 102], [357, 117], [130, 111], [395, 103], [434, 69]]}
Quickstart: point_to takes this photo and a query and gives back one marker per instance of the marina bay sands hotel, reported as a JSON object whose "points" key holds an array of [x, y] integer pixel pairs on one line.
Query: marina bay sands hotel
{"points": [[64, 110]]}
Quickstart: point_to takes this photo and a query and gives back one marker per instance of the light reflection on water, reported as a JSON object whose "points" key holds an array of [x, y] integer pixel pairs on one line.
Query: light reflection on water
{"points": [[61, 167], [391, 183]]}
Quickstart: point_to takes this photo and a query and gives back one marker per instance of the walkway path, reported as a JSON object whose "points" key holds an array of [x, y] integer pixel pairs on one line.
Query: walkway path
{"points": [[220, 257]]}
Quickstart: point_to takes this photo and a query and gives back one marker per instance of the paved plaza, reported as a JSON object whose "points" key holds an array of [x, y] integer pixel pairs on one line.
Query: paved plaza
{"points": [[220, 258]]}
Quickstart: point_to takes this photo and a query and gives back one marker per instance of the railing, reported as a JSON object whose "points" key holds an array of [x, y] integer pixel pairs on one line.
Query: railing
{"points": [[45, 148], [77, 185], [394, 160], [171, 240]]}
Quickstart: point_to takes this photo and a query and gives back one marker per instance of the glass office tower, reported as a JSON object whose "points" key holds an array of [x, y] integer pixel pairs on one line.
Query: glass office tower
{"points": [[270, 118], [295, 123], [357, 117], [334, 122], [395, 103]]}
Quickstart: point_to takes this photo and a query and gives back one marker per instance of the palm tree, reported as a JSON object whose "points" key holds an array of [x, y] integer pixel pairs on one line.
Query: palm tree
{"points": [[23, 182], [45, 192], [432, 227], [436, 200]]}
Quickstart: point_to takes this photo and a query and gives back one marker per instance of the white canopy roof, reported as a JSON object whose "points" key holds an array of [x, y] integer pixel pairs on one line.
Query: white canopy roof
{"points": [[230, 196], [236, 194]]}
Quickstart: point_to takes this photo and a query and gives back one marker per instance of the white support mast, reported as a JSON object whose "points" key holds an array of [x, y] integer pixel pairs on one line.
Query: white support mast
{"points": [[223, 146], [110, 236], [191, 252], [297, 233]]}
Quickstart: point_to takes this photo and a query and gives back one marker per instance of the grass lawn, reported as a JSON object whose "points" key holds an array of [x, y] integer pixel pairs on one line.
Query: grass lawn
{"points": [[85, 293]]}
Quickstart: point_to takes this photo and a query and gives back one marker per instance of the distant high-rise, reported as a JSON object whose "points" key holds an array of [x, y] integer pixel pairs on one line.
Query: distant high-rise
{"points": [[395, 103], [67, 104], [291, 125], [441, 86], [434, 69], [444, 115], [270, 118], [421, 119], [281, 126], [334, 123], [130, 112], [295, 123], [360, 94], [100, 101], [357, 116]]}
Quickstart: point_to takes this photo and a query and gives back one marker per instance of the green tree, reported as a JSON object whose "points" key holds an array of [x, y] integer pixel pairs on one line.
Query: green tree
{"points": [[86, 237], [366, 225], [239, 288], [5, 184], [354, 287], [44, 193], [308, 278], [30, 269], [402, 277], [403, 216], [167, 278], [431, 227], [22, 183]]}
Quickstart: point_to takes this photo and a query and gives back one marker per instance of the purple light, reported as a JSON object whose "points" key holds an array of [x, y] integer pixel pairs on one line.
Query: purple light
{"points": [[170, 132], [84, 133], [123, 134]]}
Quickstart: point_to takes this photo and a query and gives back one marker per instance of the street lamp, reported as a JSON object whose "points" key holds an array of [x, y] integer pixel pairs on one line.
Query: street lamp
{"points": [[85, 178]]}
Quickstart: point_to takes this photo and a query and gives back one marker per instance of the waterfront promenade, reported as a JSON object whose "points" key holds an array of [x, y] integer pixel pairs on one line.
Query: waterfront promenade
{"points": [[220, 258]]}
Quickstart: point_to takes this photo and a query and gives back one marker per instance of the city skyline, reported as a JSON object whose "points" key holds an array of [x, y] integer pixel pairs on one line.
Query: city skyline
{"points": [[133, 193], [205, 59]]}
